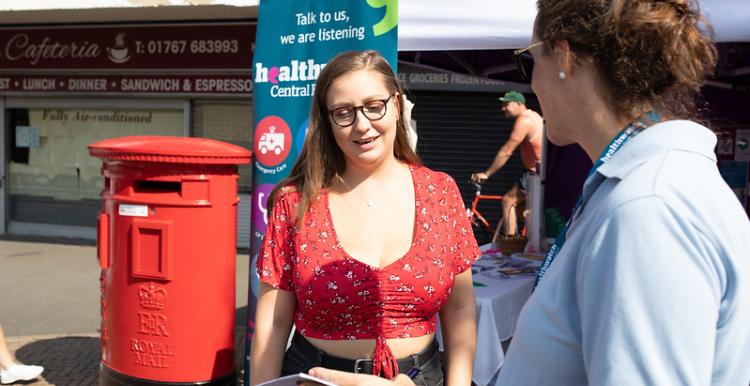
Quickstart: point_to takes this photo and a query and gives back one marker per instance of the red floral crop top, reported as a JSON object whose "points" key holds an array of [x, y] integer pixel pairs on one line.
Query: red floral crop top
{"points": [[339, 297]]}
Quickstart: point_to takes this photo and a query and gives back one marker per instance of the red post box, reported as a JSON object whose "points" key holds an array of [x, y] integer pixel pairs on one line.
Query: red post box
{"points": [[167, 249]]}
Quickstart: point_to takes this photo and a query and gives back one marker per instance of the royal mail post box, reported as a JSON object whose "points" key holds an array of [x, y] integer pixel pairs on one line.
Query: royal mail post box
{"points": [[167, 249]]}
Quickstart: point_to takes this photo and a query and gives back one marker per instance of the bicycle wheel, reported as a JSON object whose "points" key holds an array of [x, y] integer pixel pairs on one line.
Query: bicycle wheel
{"points": [[480, 233]]}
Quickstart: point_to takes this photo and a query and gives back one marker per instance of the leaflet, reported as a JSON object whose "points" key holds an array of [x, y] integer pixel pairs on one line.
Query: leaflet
{"points": [[295, 379]]}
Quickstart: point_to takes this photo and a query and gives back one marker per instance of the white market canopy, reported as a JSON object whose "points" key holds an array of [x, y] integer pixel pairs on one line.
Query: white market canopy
{"points": [[426, 25]]}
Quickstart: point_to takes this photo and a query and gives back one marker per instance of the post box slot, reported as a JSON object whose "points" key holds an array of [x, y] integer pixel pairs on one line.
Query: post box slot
{"points": [[157, 187], [151, 249], [193, 191]]}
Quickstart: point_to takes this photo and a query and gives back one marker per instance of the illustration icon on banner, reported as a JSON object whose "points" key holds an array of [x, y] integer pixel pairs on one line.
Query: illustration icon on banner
{"points": [[271, 141], [259, 213]]}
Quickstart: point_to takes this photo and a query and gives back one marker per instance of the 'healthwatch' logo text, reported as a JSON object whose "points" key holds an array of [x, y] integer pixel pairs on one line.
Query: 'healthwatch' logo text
{"points": [[296, 71]]}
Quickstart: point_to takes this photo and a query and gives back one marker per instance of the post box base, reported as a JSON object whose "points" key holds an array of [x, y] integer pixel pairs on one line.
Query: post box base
{"points": [[109, 377]]}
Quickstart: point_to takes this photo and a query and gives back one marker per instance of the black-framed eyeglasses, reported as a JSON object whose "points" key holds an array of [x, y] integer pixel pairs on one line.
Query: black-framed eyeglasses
{"points": [[373, 110], [525, 61]]}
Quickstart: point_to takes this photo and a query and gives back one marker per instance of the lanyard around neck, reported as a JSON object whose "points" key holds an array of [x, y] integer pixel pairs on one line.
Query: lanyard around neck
{"points": [[630, 131]]}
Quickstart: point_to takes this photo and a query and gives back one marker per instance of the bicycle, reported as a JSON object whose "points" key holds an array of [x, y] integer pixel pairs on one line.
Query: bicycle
{"points": [[482, 227], [479, 224]]}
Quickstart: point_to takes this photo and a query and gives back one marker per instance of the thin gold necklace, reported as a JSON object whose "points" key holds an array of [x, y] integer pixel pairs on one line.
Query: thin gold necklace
{"points": [[367, 201]]}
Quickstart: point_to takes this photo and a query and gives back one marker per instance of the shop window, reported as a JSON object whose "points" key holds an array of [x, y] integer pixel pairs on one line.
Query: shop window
{"points": [[51, 177]]}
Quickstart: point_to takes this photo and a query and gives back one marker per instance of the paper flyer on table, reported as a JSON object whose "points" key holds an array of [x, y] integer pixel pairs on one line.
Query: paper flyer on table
{"points": [[295, 379]]}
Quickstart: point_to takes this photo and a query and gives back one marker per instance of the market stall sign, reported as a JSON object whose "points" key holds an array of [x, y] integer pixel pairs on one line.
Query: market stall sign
{"points": [[415, 78]]}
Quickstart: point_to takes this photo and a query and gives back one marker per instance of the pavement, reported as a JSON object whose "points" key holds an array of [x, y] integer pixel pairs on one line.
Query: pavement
{"points": [[49, 307]]}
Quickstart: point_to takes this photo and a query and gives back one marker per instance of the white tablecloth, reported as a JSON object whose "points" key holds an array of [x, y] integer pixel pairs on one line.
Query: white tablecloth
{"points": [[498, 306]]}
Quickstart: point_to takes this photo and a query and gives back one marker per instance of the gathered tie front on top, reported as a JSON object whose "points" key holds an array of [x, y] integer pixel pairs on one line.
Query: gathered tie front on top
{"points": [[383, 359]]}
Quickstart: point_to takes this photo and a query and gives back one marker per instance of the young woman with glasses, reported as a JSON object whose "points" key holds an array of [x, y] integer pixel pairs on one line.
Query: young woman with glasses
{"points": [[364, 245]]}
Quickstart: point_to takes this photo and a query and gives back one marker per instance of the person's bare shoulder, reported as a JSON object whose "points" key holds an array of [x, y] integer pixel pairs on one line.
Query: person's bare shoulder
{"points": [[524, 122], [523, 127]]}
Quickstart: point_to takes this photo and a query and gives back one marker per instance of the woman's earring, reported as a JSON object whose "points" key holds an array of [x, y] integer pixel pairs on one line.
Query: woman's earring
{"points": [[562, 75]]}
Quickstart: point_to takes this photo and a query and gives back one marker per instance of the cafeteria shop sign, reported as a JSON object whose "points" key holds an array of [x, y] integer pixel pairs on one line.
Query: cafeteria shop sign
{"points": [[183, 47], [230, 84]]}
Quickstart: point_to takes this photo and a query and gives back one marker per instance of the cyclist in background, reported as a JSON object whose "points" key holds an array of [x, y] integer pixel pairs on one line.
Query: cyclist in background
{"points": [[528, 133]]}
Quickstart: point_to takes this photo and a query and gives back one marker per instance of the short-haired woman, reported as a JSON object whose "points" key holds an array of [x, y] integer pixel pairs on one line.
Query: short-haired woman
{"points": [[649, 283]]}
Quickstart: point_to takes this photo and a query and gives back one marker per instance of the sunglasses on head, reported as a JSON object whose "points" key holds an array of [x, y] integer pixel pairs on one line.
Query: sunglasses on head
{"points": [[525, 61]]}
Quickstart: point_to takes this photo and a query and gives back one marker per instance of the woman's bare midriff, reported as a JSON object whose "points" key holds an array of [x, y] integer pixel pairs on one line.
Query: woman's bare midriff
{"points": [[363, 348]]}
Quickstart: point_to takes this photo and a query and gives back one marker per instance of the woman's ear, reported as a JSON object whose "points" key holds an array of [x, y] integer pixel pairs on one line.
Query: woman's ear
{"points": [[565, 58], [399, 105]]}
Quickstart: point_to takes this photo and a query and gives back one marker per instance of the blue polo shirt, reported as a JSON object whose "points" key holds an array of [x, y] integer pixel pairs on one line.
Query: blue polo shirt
{"points": [[652, 286]]}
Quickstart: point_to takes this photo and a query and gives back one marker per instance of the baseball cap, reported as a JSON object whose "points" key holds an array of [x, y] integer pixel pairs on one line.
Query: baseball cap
{"points": [[513, 96]]}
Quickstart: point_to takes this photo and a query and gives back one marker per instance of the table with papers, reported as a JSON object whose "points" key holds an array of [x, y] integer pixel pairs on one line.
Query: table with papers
{"points": [[499, 301], [498, 306]]}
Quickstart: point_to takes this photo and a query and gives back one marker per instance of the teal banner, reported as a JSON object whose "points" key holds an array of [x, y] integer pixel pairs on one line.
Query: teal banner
{"points": [[294, 41]]}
